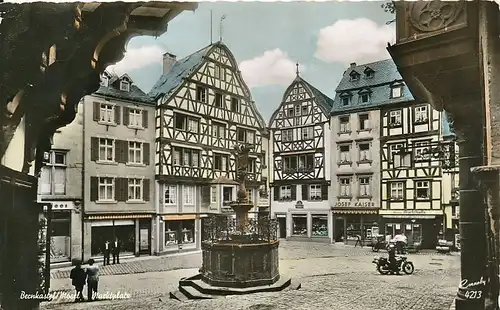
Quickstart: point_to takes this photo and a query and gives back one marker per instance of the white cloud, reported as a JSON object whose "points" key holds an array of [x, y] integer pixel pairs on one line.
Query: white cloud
{"points": [[272, 68], [136, 58], [358, 40]]}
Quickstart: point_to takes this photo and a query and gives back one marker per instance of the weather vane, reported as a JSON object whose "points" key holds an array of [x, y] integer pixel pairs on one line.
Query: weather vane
{"points": [[220, 27], [297, 64]]}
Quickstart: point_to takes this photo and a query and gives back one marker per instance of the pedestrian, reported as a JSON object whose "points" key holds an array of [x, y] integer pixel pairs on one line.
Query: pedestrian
{"points": [[107, 250], [358, 240], [78, 277], [116, 251], [92, 280]]}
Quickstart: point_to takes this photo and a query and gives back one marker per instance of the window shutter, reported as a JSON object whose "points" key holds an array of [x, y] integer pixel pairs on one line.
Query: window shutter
{"points": [[145, 189], [126, 116], [97, 111], [144, 119], [121, 189], [294, 192], [276, 193], [94, 149], [94, 188], [305, 194], [145, 153], [205, 194], [124, 150], [324, 192], [118, 151], [117, 115]]}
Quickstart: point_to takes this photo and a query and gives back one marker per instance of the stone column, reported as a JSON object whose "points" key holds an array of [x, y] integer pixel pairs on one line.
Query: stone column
{"points": [[472, 224]]}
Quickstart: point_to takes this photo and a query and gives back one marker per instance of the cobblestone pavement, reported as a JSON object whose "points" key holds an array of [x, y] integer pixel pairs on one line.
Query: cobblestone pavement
{"points": [[332, 277]]}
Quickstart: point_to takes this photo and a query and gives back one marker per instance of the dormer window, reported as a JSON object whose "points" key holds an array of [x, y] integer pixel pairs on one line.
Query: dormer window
{"points": [[354, 76], [396, 91], [369, 73], [364, 96], [105, 81], [125, 86], [345, 101]]}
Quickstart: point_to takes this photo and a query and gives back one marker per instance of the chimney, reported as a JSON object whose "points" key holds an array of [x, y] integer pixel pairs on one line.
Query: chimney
{"points": [[168, 62], [353, 64]]}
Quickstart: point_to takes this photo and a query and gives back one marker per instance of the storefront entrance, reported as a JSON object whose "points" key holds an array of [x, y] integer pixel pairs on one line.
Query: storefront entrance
{"points": [[124, 230], [60, 241], [282, 226]]}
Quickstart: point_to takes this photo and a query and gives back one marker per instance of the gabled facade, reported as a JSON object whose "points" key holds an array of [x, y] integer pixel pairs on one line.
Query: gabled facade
{"points": [[118, 159], [299, 170], [203, 109], [355, 148], [411, 183]]}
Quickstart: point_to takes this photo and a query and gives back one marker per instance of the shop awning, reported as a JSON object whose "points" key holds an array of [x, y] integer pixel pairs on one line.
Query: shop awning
{"points": [[180, 217], [355, 211], [119, 217], [417, 217]]}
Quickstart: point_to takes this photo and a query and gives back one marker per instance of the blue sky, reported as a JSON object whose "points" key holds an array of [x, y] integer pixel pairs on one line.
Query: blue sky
{"points": [[267, 40]]}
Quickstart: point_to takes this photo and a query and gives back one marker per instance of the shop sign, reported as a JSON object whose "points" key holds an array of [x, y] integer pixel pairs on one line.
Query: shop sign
{"points": [[299, 205], [60, 206], [357, 204], [411, 211], [263, 202]]}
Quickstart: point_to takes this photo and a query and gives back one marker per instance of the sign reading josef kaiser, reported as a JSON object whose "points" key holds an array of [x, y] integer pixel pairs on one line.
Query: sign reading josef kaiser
{"points": [[357, 204]]}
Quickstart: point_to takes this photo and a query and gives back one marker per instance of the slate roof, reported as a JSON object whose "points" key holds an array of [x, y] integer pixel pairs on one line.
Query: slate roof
{"points": [[170, 81], [113, 91], [385, 74]]}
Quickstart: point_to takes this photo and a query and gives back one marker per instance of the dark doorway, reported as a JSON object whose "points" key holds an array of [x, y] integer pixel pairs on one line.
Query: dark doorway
{"points": [[339, 229], [282, 226]]}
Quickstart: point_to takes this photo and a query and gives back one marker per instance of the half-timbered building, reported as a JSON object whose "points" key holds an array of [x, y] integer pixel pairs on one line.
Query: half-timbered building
{"points": [[203, 109], [355, 159], [299, 169], [411, 166]]}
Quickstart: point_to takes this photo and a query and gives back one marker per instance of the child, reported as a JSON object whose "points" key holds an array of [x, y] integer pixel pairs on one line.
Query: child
{"points": [[78, 277]]}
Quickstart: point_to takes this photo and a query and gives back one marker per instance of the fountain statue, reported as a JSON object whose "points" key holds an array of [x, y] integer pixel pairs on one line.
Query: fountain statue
{"points": [[240, 255]]}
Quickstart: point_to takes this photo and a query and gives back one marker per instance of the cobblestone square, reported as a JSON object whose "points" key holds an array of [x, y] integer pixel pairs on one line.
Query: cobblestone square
{"points": [[332, 277]]}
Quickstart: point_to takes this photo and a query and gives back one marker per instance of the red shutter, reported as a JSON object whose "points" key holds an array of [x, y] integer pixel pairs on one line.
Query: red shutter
{"points": [[94, 149], [94, 188], [145, 189], [145, 153], [144, 118], [117, 114], [97, 111], [126, 115]]}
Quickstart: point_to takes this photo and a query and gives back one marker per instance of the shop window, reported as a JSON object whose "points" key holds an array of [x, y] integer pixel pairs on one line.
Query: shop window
{"points": [[177, 232], [299, 224], [227, 194], [319, 225]]}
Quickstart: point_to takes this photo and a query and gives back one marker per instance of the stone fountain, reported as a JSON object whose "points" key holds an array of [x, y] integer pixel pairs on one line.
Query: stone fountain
{"points": [[240, 255]]}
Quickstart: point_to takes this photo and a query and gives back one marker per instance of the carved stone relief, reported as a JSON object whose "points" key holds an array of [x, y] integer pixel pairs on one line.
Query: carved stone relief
{"points": [[434, 15]]}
